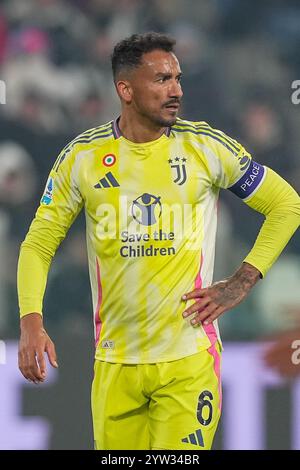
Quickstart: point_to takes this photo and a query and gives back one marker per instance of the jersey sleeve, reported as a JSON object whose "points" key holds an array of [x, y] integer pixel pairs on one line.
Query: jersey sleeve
{"points": [[61, 202], [261, 189], [280, 204], [232, 166]]}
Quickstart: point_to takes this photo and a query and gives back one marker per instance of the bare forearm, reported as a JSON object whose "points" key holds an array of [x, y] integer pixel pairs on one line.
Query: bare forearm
{"points": [[244, 279], [31, 320]]}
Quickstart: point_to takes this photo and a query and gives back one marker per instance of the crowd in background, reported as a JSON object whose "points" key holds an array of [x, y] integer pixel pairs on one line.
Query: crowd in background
{"points": [[239, 59]]}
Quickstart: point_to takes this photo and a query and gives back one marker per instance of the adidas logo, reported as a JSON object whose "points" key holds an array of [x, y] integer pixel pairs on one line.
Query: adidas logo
{"points": [[107, 344], [195, 438], [109, 181]]}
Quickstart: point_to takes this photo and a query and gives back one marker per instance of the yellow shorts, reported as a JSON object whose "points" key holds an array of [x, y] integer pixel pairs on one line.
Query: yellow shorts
{"points": [[167, 405]]}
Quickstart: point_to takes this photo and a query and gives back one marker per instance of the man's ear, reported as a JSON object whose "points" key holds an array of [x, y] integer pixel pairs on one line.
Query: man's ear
{"points": [[124, 90]]}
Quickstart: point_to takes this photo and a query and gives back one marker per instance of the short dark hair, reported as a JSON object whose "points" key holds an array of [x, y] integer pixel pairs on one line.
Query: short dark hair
{"points": [[127, 54]]}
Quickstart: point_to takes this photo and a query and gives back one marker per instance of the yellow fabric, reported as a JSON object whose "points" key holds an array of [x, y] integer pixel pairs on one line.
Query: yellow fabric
{"points": [[150, 406], [151, 213], [36, 254], [282, 212]]}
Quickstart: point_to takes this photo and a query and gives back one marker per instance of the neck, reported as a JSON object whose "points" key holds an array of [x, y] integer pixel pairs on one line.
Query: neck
{"points": [[139, 130]]}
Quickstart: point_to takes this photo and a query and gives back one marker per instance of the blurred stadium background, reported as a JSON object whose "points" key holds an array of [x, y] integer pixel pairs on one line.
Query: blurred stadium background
{"points": [[239, 59]]}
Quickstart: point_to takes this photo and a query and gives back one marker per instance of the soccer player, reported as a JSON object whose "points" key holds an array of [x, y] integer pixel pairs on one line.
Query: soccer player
{"points": [[149, 183]]}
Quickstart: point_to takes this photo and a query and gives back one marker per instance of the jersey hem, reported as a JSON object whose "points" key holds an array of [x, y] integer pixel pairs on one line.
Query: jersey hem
{"points": [[135, 360]]}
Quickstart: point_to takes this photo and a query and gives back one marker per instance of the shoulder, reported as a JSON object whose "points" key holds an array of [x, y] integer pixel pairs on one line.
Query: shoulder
{"points": [[85, 142], [206, 133], [196, 127], [94, 136], [182, 125]]}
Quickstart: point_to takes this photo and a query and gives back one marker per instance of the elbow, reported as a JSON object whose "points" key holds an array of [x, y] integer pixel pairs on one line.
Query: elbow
{"points": [[36, 249]]}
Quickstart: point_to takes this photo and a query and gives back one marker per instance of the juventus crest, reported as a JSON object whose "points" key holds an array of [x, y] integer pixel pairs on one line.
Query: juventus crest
{"points": [[179, 170]]}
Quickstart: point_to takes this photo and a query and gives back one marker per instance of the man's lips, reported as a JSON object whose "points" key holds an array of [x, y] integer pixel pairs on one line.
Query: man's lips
{"points": [[172, 106]]}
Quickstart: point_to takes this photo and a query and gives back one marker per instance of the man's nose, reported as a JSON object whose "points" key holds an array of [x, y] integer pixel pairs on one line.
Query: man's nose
{"points": [[175, 89]]}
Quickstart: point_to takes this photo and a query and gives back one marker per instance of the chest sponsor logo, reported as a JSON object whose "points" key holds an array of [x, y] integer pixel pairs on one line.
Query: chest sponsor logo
{"points": [[178, 166], [146, 209]]}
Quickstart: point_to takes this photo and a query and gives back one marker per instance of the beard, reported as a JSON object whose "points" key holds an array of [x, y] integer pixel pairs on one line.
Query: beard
{"points": [[162, 122], [158, 120]]}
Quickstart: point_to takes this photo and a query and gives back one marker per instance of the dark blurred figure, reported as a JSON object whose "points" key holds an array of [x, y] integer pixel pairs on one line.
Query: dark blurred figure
{"points": [[265, 128], [68, 300], [18, 185], [3, 36], [284, 354]]}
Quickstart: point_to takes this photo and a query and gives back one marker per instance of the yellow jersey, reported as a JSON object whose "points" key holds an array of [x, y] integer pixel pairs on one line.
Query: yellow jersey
{"points": [[151, 218]]}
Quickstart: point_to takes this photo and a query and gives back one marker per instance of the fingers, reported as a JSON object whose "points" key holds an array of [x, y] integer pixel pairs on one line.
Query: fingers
{"points": [[41, 363], [29, 367], [196, 307], [210, 303], [208, 315], [206, 312], [201, 305], [50, 350], [32, 362], [196, 293], [34, 342]]}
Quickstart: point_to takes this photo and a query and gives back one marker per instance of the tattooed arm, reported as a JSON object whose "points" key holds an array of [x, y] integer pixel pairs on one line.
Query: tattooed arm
{"points": [[221, 296]]}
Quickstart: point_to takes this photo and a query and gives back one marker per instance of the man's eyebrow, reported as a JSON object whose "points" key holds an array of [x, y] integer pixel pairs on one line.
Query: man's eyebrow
{"points": [[163, 74], [167, 74]]}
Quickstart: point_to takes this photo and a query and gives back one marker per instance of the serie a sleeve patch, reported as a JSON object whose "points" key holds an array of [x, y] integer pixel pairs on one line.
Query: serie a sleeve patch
{"points": [[250, 181]]}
